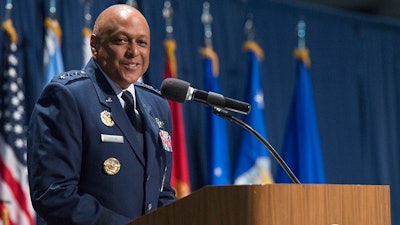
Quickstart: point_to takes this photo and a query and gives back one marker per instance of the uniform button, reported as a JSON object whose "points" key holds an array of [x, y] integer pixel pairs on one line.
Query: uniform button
{"points": [[147, 178], [149, 206]]}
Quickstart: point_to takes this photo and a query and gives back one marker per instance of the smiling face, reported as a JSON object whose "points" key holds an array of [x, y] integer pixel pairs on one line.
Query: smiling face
{"points": [[120, 44]]}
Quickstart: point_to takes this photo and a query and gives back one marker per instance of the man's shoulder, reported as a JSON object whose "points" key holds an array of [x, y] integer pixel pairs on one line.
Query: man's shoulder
{"points": [[147, 88], [71, 76]]}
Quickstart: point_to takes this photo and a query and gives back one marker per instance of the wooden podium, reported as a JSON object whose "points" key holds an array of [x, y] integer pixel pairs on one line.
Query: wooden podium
{"points": [[277, 204]]}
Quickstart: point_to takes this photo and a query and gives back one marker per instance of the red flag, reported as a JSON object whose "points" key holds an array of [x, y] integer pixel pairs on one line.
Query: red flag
{"points": [[180, 180]]}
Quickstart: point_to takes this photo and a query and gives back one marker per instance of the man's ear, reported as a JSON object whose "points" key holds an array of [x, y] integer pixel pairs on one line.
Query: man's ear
{"points": [[93, 42]]}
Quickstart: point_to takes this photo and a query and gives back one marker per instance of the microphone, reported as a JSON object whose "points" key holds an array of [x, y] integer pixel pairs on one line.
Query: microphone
{"points": [[181, 91]]}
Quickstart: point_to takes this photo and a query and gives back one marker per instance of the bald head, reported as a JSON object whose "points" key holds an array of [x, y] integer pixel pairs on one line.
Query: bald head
{"points": [[114, 14], [120, 44]]}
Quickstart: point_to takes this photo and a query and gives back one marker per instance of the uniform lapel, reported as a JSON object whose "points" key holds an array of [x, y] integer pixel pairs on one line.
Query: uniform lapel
{"points": [[109, 99], [151, 130], [122, 121]]}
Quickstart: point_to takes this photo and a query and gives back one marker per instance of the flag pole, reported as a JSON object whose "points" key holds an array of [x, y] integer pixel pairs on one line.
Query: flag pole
{"points": [[52, 9], [206, 19], [167, 14], [249, 28], [86, 32], [87, 15], [207, 51], [132, 3], [301, 34], [8, 7], [301, 52], [169, 42]]}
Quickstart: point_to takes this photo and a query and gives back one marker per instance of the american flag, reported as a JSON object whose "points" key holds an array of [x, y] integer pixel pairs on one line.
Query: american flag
{"points": [[14, 189]]}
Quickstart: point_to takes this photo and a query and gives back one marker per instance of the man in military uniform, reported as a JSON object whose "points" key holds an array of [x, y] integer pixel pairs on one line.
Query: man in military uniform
{"points": [[99, 149]]}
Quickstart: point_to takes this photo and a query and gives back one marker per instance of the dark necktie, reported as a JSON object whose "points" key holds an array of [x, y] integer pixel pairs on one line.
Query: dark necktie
{"points": [[130, 111]]}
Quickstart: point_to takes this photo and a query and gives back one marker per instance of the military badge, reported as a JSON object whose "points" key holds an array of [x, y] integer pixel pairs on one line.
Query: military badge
{"points": [[160, 123], [106, 118], [166, 140], [111, 166]]}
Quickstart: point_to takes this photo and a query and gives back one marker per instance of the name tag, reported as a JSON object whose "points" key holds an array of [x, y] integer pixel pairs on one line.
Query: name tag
{"points": [[112, 138]]}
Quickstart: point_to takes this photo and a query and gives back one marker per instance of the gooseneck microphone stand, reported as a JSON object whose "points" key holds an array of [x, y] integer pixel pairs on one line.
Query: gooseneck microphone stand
{"points": [[226, 115]]}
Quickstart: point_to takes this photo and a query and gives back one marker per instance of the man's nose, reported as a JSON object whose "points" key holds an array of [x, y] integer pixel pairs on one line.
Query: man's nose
{"points": [[133, 50]]}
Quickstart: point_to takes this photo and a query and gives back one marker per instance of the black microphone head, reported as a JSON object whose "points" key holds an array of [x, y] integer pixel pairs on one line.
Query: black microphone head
{"points": [[174, 89]]}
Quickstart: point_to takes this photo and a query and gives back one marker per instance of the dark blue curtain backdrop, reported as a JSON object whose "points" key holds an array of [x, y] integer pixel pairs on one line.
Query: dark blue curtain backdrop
{"points": [[355, 75]]}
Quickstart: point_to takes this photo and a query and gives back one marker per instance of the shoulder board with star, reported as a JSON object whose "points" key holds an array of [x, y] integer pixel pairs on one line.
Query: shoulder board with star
{"points": [[148, 87], [70, 76]]}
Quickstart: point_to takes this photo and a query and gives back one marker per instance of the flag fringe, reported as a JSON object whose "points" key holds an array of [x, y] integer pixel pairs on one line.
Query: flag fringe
{"points": [[303, 55], [254, 47], [208, 52], [86, 32], [55, 27], [170, 46], [5, 216], [182, 189], [9, 28]]}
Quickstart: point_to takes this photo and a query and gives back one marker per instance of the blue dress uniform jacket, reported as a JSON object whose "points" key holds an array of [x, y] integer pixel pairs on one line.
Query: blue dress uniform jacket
{"points": [[77, 126]]}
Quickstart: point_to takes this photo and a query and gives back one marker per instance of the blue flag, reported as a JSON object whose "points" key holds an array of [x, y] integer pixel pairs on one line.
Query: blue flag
{"points": [[218, 140], [301, 148], [52, 57], [253, 164], [86, 51]]}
